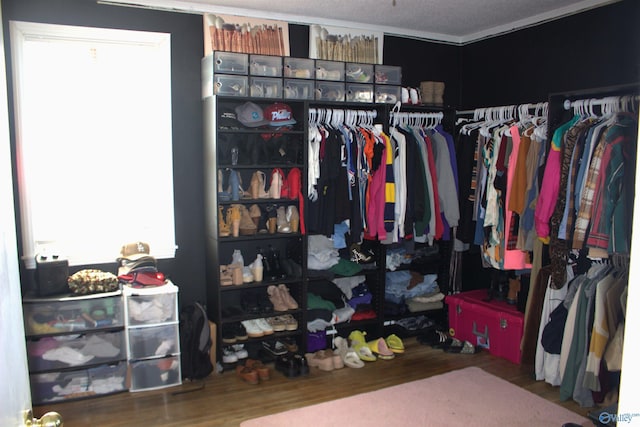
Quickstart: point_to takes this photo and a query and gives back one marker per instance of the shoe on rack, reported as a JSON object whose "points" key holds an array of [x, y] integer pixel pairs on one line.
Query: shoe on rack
{"points": [[290, 322], [282, 225], [223, 196], [271, 213], [256, 214], [226, 276], [293, 218], [233, 219], [240, 351], [228, 334], [224, 229], [229, 356], [253, 330], [257, 186], [239, 331], [276, 298], [247, 226], [277, 323], [264, 325], [274, 261], [288, 300], [275, 347], [275, 187]]}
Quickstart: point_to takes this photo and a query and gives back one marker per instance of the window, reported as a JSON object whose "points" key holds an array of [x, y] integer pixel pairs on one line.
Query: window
{"points": [[93, 140]]}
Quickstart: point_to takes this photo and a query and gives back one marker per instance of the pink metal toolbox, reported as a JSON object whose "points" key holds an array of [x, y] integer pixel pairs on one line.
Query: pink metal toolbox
{"points": [[494, 325]]}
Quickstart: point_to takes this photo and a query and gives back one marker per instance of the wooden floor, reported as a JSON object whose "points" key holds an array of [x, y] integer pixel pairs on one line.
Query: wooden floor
{"points": [[226, 400]]}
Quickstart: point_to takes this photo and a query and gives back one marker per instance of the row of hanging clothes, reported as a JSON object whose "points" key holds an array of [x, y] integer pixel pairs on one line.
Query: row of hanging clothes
{"points": [[584, 213], [381, 186], [501, 152]]}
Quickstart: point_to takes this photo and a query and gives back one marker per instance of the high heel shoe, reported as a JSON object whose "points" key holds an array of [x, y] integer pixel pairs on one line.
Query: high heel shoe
{"points": [[281, 221], [275, 187], [233, 218], [246, 226], [293, 218], [223, 227], [257, 186]]}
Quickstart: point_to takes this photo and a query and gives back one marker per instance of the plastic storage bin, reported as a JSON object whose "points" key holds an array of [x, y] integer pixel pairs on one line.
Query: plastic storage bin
{"points": [[227, 85], [388, 75], [155, 373], [66, 351], [266, 66], [329, 70], [298, 68], [151, 306], [153, 341], [298, 89], [359, 92], [358, 73], [265, 87], [329, 91], [78, 384], [72, 314], [387, 94], [230, 63], [494, 325]]}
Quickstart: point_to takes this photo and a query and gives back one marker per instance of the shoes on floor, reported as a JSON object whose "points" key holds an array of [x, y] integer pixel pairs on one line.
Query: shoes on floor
{"points": [[348, 354], [379, 348], [248, 375], [395, 344], [264, 373], [359, 344], [292, 365]]}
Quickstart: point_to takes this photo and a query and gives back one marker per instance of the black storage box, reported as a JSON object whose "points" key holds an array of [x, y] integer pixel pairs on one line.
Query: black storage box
{"points": [[51, 275]]}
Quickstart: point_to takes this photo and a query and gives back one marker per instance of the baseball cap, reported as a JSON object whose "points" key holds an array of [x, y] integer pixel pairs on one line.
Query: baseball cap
{"points": [[134, 251], [250, 115], [279, 114], [227, 117]]}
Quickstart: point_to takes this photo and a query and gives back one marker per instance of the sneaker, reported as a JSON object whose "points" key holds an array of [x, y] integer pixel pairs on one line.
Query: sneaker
{"points": [[240, 351], [229, 355], [276, 323], [240, 332], [228, 334], [264, 326], [276, 348], [252, 328]]}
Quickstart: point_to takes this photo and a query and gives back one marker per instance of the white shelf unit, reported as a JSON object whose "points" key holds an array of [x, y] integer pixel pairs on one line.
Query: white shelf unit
{"points": [[152, 336]]}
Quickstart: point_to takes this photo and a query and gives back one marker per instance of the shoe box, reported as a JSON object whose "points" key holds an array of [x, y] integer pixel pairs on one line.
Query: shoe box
{"points": [[494, 325]]}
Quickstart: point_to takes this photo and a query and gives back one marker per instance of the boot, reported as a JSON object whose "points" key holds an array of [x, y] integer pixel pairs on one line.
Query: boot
{"points": [[286, 297], [281, 221], [266, 265], [223, 227], [235, 186], [233, 218], [223, 196], [275, 185], [247, 227], [514, 288], [293, 218], [255, 214], [274, 261], [276, 298]]}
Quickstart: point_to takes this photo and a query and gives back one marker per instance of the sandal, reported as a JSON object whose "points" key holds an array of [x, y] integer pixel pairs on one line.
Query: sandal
{"points": [[348, 354], [454, 346], [364, 352], [380, 348], [395, 344]]}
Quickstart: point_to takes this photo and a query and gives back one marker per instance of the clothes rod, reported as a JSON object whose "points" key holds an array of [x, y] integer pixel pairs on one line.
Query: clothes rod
{"points": [[598, 101], [531, 106]]}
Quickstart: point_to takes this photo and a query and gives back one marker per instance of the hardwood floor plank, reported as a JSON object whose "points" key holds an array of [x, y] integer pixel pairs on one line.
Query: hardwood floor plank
{"points": [[224, 400]]}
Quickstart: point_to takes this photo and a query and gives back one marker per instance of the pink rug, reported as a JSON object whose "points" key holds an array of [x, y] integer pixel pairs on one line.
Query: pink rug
{"points": [[466, 397]]}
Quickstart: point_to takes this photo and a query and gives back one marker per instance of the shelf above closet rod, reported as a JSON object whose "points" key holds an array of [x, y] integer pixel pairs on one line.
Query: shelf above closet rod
{"points": [[531, 106]]}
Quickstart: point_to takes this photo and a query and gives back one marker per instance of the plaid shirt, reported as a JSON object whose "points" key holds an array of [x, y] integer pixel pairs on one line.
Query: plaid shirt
{"points": [[586, 200]]}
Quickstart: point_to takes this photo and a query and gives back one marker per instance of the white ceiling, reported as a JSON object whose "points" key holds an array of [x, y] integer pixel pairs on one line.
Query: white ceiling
{"points": [[449, 21]]}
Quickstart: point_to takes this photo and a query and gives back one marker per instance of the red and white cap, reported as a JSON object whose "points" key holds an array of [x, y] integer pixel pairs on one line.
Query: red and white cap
{"points": [[279, 114]]}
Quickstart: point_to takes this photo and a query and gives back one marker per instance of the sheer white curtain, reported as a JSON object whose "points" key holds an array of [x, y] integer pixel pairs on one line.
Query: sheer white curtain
{"points": [[93, 133]]}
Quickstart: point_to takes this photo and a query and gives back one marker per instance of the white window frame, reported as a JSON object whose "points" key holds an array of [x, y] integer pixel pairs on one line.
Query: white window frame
{"points": [[137, 211]]}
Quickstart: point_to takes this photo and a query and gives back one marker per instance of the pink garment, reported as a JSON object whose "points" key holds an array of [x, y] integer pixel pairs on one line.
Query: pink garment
{"points": [[514, 259], [548, 194], [375, 209]]}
